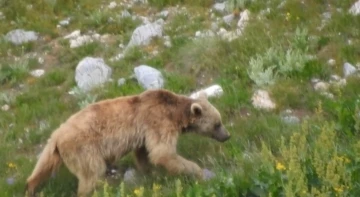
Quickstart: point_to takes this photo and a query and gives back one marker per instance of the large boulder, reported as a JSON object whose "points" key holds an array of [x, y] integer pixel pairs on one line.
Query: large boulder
{"points": [[20, 36], [91, 72], [149, 77]]}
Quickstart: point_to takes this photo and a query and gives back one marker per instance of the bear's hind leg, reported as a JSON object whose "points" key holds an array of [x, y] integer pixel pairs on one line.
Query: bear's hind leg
{"points": [[88, 167], [141, 159]]}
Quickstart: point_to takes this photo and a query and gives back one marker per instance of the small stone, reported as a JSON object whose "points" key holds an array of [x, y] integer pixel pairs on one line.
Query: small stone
{"points": [[228, 19], [167, 41], [348, 69], [81, 40], [220, 7], [261, 100], [118, 57], [197, 33], [340, 82], [321, 86], [129, 175], [355, 8], [328, 95], [20, 36], [214, 26], [290, 119], [73, 35], [315, 80], [64, 22], [112, 5], [41, 60], [244, 18], [212, 91], [331, 62], [335, 77], [10, 181], [2, 16], [5, 107], [121, 81], [37, 73], [208, 174], [125, 14], [164, 13]]}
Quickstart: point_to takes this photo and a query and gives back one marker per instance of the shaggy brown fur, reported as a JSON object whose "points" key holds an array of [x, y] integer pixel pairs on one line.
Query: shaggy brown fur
{"points": [[148, 124]]}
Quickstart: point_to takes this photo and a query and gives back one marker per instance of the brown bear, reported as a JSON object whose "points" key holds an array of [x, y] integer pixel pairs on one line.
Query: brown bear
{"points": [[148, 124]]}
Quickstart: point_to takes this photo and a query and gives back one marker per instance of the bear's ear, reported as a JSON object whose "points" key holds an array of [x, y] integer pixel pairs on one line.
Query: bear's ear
{"points": [[196, 109]]}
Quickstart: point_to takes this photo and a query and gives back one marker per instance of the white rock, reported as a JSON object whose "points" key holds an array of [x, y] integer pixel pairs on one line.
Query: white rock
{"points": [[315, 80], [348, 69], [118, 57], [228, 19], [290, 119], [73, 35], [41, 60], [208, 174], [355, 8], [145, 20], [91, 72], [214, 26], [341, 83], [2, 16], [197, 33], [327, 94], [212, 91], [125, 14], [167, 41], [149, 77], [112, 5], [144, 34], [5, 107], [331, 62], [64, 22], [261, 100], [220, 7], [129, 175], [164, 13], [321, 86], [81, 40], [37, 73], [121, 81], [244, 18], [20, 36], [335, 77]]}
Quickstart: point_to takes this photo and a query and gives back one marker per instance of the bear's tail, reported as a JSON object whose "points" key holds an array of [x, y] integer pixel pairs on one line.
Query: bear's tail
{"points": [[48, 163]]}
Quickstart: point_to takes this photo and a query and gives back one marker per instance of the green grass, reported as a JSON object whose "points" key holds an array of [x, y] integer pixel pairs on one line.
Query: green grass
{"points": [[265, 156]]}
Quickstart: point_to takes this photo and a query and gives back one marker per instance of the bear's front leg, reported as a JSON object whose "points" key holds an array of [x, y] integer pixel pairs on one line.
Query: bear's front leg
{"points": [[166, 156]]}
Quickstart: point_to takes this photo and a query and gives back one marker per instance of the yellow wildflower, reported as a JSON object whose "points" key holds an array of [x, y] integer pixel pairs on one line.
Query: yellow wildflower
{"points": [[139, 192], [338, 189], [156, 186], [347, 160], [288, 16], [280, 166], [11, 165]]}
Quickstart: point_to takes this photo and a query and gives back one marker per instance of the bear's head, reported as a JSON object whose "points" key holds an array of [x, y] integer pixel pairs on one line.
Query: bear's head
{"points": [[206, 120]]}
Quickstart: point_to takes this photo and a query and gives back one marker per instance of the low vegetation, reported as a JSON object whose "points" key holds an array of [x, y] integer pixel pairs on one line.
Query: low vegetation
{"points": [[285, 45]]}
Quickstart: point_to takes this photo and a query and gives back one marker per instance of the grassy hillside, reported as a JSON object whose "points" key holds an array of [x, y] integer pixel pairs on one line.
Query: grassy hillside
{"points": [[295, 50]]}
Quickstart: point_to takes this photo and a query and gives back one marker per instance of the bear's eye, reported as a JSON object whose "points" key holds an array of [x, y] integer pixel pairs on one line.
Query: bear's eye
{"points": [[217, 126]]}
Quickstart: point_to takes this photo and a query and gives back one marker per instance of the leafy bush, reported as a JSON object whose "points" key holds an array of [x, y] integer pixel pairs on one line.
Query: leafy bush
{"points": [[265, 69]]}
